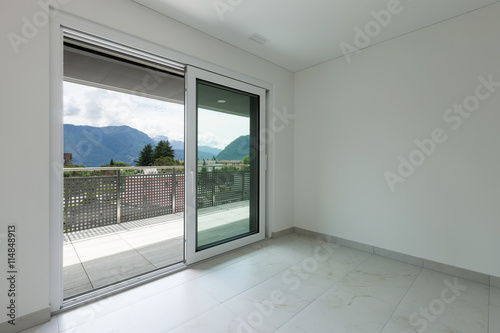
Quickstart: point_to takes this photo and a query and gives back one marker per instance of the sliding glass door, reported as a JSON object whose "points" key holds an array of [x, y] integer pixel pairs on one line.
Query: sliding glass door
{"points": [[123, 181], [162, 164], [227, 184]]}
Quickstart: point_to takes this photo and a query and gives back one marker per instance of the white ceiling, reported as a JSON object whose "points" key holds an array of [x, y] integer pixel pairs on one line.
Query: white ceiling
{"points": [[303, 33]]}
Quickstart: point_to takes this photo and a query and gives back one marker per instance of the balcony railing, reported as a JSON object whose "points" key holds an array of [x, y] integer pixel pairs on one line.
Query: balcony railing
{"points": [[122, 194]]}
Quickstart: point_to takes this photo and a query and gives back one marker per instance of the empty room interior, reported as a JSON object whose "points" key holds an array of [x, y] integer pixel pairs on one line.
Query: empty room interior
{"points": [[284, 166]]}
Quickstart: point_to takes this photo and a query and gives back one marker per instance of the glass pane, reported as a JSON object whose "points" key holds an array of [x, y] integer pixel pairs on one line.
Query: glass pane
{"points": [[123, 201], [227, 175]]}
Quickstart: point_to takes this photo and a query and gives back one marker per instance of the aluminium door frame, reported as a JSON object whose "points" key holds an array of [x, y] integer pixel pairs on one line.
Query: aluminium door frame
{"points": [[60, 21], [192, 74]]}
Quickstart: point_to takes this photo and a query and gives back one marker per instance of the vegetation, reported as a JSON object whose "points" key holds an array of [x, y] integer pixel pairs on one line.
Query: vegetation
{"points": [[76, 173], [165, 161], [115, 164], [163, 149], [146, 156], [162, 154], [113, 172], [93, 146], [94, 173], [236, 150]]}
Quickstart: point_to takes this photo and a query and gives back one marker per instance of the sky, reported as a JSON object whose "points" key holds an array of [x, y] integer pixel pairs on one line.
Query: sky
{"points": [[85, 105]]}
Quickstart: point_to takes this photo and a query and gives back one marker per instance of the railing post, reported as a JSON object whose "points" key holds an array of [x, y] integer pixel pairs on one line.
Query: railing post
{"points": [[243, 196], [174, 185], [118, 199], [213, 187]]}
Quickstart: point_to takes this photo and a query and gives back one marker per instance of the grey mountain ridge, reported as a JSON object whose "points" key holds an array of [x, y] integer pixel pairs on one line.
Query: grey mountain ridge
{"points": [[96, 146]]}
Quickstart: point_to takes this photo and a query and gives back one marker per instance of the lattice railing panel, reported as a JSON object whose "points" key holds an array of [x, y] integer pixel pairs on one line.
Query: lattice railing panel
{"points": [[179, 193], [204, 189], [144, 196], [246, 185], [89, 202], [227, 187]]}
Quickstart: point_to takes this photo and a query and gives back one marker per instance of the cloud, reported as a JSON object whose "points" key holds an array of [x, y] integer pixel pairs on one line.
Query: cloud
{"points": [[85, 105], [91, 106], [212, 140]]}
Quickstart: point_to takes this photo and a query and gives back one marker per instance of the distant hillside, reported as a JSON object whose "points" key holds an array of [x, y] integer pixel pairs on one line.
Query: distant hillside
{"points": [[204, 152], [236, 150], [95, 146], [209, 150], [202, 155], [175, 144]]}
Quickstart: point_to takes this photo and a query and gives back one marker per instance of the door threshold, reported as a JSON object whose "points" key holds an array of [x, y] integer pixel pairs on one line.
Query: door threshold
{"points": [[101, 293]]}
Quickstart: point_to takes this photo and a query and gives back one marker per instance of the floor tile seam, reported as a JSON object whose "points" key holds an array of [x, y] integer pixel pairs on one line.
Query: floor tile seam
{"points": [[489, 310], [123, 229], [130, 249], [75, 328], [253, 285], [99, 236], [198, 316], [126, 279], [239, 317], [266, 280], [303, 309], [192, 280], [136, 250], [142, 227], [230, 310], [402, 298], [339, 282], [180, 284], [208, 271], [83, 266], [347, 273], [238, 293], [128, 305], [230, 264]]}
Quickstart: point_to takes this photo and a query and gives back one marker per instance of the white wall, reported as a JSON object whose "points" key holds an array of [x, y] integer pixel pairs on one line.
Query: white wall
{"points": [[24, 127], [355, 120]]}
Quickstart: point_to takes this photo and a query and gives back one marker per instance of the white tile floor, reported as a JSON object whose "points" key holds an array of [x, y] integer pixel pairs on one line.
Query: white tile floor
{"points": [[294, 284], [98, 257]]}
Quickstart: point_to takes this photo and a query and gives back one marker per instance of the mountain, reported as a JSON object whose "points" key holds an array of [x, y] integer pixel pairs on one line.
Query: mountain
{"points": [[204, 152], [236, 150], [174, 143], [202, 155], [96, 146], [209, 150]]}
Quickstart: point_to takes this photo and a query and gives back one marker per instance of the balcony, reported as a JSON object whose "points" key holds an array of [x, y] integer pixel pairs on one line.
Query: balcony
{"points": [[123, 222]]}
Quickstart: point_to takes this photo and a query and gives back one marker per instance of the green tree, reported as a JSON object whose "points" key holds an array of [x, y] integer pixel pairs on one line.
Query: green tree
{"points": [[163, 149], [246, 159], [146, 156], [204, 169], [111, 162], [115, 164], [166, 161], [76, 173]]}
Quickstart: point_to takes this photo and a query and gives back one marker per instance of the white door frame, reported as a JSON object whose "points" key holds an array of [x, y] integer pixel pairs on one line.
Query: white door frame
{"points": [[60, 21], [192, 75]]}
